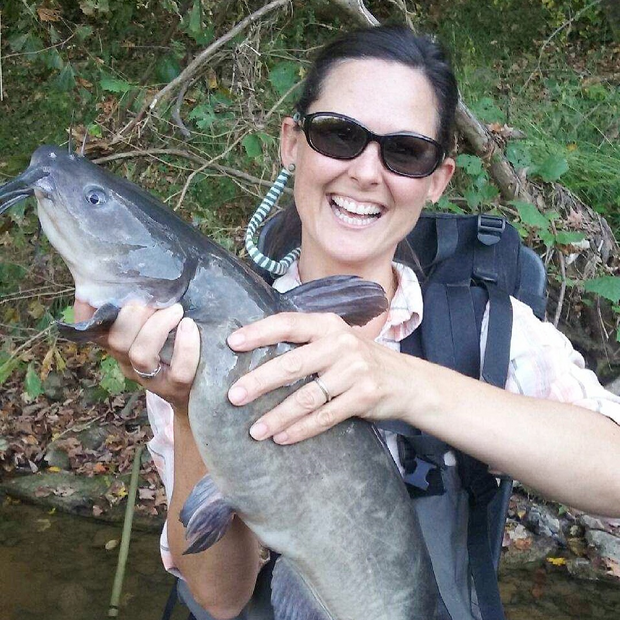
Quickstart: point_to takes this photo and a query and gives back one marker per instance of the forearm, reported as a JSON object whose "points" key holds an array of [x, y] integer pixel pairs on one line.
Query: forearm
{"points": [[566, 452], [223, 577]]}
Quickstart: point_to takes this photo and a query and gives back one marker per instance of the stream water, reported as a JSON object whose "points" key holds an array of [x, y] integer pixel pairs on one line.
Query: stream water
{"points": [[57, 567]]}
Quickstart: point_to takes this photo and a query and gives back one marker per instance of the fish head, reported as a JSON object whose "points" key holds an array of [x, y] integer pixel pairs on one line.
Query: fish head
{"points": [[118, 241]]}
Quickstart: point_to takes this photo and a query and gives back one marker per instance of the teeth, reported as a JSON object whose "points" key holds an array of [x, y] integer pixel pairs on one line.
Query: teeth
{"points": [[354, 221], [355, 207]]}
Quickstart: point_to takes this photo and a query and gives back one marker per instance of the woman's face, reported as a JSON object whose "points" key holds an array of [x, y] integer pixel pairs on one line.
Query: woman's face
{"points": [[354, 212]]}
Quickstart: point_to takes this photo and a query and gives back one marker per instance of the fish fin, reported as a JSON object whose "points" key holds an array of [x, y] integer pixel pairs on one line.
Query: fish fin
{"points": [[292, 598], [206, 516], [88, 331], [354, 299]]}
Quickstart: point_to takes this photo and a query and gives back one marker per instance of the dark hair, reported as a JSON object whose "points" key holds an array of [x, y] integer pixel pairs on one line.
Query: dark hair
{"points": [[391, 43]]}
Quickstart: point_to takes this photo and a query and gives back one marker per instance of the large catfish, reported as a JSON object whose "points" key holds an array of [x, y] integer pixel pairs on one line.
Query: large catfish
{"points": [[334, 507]]}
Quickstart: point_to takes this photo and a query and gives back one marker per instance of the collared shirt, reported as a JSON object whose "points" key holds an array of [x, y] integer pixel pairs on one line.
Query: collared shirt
{"points": [[543, 364]]}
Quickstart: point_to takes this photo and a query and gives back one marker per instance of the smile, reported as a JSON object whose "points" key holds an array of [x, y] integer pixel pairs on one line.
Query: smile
{"points": [[354, 213]]}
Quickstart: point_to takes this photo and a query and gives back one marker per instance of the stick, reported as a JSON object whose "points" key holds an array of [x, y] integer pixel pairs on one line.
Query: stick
{"points": [[124, 550]]}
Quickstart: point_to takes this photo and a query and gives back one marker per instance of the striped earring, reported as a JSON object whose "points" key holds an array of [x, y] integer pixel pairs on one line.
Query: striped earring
{"points": [[264, 262]]}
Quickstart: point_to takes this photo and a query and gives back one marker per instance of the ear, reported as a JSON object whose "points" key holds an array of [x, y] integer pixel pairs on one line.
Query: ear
{"points": [[290, 134], [440, 179]]}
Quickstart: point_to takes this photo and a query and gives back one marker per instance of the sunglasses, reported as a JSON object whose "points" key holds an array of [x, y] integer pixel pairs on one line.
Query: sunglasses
{"points": [[340, 137]]}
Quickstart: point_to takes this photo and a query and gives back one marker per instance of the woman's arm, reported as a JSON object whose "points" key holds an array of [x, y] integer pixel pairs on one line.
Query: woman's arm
{"points": [[566, 452]]}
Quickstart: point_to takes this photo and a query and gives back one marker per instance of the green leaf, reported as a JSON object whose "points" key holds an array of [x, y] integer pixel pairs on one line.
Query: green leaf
{"points": [[606, 286], [283, 76], [518, 155], [114, 85], [530, 215], [471, 164], [566, 237], [252, 146], [203, 115], [33, 385], [487, 110], [66, 79], [167, 69], [68, 315], [112, 378], [552, 168], [195, 19], [7, 365]]}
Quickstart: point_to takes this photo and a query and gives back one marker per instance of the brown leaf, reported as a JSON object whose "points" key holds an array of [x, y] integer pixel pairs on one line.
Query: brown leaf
{"points": [[48, 15]]}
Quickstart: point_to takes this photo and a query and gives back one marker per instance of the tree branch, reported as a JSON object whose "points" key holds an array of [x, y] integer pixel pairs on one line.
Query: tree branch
{"points": [[197, 65]]}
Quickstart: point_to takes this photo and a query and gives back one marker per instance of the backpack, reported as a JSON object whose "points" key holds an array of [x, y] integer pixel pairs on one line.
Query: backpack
{"points": [[465, 263]]}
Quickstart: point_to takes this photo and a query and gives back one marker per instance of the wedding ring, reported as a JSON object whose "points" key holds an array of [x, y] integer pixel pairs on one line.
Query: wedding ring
{"points": [[323, 389], [148, 375]]}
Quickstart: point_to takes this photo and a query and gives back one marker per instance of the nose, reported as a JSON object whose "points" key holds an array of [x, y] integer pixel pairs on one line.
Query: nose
{"points": [[367, 168]]}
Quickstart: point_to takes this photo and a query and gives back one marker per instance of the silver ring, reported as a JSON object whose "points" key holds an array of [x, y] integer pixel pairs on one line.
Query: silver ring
{"points": [[323, 389], [148, 375]]}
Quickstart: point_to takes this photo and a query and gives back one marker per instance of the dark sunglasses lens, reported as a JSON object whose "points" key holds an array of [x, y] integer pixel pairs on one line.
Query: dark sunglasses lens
{"points": [[336, 137], [411, 156]]}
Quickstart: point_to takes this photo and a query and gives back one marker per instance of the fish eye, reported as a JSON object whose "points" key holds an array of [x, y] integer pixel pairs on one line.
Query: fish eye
{"points": [[96, 196]]}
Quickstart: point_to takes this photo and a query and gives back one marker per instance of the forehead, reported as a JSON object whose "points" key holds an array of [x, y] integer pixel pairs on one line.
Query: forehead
{"points": [[383, 95]]}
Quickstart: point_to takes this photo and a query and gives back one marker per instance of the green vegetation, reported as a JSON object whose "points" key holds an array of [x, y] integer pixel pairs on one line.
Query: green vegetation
{"points": [[542, 73]]}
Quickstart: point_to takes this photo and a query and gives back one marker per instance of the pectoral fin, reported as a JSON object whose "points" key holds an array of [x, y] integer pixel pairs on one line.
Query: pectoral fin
{"points": [[206, 516], [292, 598], [88, 331], [355, 300]]}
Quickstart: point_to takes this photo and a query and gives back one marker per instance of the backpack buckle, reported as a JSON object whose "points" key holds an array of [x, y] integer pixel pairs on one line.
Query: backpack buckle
{"points": [[490, 229]]}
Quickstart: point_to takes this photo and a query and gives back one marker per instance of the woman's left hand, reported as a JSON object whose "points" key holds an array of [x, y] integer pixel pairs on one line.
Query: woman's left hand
{"points": [[362, 378]]}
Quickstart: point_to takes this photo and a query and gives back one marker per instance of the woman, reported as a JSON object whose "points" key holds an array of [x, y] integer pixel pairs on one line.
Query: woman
{"points": [[354, 211]]}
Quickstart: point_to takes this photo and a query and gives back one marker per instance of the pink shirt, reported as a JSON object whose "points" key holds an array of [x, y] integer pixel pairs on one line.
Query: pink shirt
{"points": [[543, 364]]}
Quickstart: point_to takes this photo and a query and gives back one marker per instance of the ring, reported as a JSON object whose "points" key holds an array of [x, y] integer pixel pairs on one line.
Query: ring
{"points": [[323, 389], [148, 375]]}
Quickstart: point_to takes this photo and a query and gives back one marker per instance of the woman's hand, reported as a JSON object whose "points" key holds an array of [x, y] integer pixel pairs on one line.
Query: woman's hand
{"points": [[361, 378], [137, 337]]}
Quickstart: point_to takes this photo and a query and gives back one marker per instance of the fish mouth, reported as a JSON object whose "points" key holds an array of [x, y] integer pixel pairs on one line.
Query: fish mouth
{"points": [[22, 187]]}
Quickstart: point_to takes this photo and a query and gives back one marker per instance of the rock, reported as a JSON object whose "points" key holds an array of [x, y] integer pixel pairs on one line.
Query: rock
{"points": [[57, 457], [581, 568], [54, 386], [541, 520], [607, 545], [535, 551]]}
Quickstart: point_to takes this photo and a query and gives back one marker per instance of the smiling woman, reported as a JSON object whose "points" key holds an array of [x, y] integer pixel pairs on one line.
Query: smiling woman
{"points": [[370, 145]]}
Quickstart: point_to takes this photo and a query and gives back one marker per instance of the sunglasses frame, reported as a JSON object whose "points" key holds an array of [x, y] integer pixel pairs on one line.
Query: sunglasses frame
{"points": [[305, 122]]}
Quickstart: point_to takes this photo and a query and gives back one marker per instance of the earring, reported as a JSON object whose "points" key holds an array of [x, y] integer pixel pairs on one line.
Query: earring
{"points": [[264, 262]]}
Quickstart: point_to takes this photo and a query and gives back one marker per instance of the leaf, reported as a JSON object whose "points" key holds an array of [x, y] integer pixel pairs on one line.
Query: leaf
{"points": [[471, 164], [605, 286], [112, 378], [114, 85], [283, 76], [518, 155], [552, 168], [530, 215], [557, 561], [66, 79], [167, 69], [252, 146], [67, 315], [32, 383], [567, 237], [195, 19]]}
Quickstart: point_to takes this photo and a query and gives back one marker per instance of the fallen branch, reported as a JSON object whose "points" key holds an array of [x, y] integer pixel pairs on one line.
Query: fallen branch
{"points": [[196, 66]]}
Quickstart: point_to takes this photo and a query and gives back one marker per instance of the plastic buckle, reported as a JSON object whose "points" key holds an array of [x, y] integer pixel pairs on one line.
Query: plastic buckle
{"points": [[490, 229], [418, 478]]}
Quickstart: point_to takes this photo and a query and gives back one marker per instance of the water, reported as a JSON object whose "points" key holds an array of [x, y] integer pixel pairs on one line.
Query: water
{"points": [[57, 567]]}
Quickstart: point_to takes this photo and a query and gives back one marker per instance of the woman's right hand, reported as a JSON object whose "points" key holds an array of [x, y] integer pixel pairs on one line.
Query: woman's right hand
{"points": [[137, 337]]}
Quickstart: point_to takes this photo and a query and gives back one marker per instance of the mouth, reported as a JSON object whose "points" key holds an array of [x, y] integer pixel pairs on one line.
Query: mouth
{"points": [[21, 187], [355, 213]]}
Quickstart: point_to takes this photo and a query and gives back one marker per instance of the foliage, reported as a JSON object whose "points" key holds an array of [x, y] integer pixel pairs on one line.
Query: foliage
{"points": [[93, 63]]}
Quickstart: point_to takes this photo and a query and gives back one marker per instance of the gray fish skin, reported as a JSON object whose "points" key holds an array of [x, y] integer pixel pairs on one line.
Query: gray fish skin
{"points": [[335, 506]]}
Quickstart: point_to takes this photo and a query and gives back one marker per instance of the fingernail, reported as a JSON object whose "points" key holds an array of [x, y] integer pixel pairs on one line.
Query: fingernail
{"points": [[186, 324], [259, 430], [281, 437], [236, 339], [237, 394]]}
